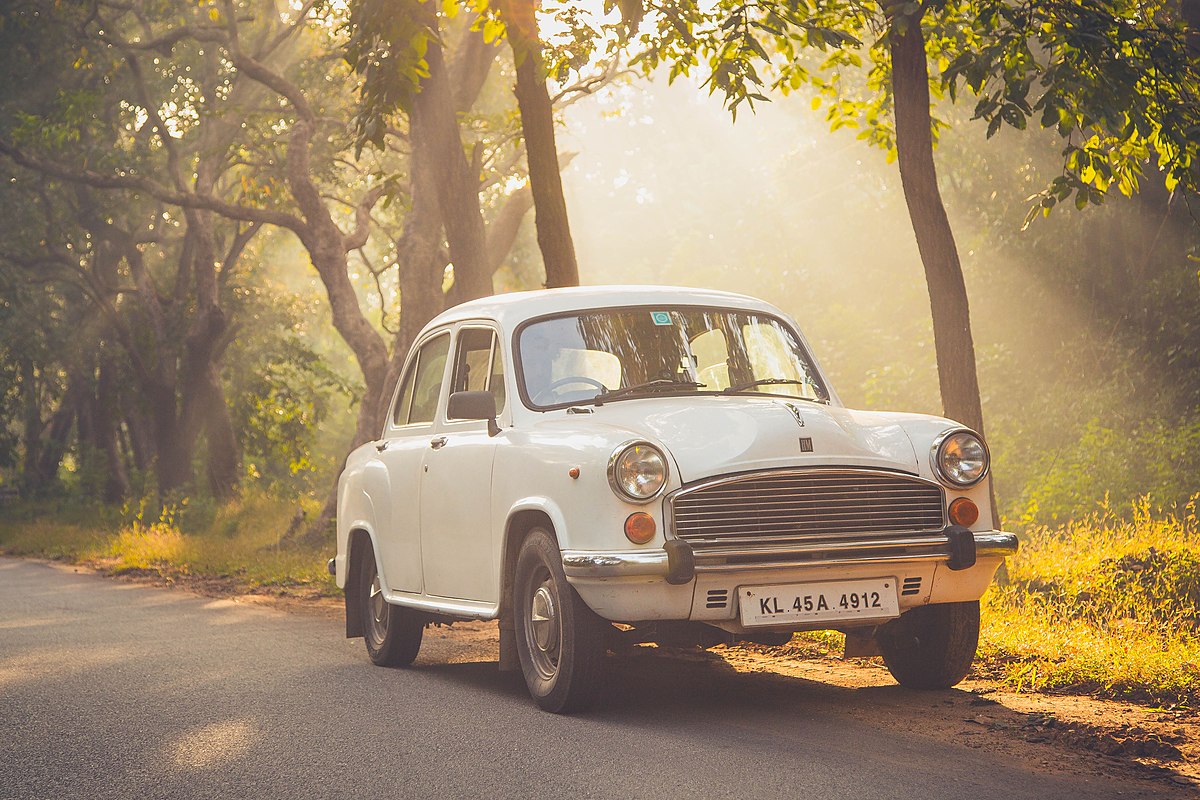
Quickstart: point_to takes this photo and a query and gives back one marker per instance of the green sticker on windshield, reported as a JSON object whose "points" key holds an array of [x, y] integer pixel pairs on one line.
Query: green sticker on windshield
{"points": [[660, 317]]}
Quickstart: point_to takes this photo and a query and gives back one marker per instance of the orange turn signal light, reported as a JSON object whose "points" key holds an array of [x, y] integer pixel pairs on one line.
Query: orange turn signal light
{"points": [[963, 511], [640, 527]]}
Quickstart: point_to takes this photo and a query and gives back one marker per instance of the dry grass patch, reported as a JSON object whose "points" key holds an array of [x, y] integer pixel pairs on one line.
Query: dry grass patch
{"points": [[243, 543], [1109, 605]]}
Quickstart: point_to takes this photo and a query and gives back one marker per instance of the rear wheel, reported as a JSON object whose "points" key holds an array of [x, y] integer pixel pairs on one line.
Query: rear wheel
{"points": [[931, 647], [561, 642], [392, 633]]}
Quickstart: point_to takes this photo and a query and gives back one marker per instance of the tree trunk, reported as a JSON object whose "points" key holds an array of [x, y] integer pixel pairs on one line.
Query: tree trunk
{"points": [[419, 256], [953, 343], [205, 408], [116, 486], [57, 438], [141, 444], [537, 127], [224, 466], [173, 462], [935, 241], [32, 427], [434, 123]]}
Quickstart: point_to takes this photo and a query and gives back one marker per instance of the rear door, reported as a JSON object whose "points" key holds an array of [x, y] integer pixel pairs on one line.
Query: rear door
{"points": [[411, 426]]}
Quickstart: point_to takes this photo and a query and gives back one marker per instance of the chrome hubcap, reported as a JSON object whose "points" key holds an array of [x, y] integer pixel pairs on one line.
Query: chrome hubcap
{"points": [[545, 627], [378, 610], [544, 619]]}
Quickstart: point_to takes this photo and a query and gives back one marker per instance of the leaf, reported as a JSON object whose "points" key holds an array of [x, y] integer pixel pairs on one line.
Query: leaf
{"points": [[993, 126]]}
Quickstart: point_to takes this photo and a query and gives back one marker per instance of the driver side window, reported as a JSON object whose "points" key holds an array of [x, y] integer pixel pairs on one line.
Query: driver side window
{"points": [[418, 398]]}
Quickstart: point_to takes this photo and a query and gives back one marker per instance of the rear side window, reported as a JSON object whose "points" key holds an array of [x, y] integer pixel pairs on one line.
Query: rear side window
{"points": [[418, 399]]}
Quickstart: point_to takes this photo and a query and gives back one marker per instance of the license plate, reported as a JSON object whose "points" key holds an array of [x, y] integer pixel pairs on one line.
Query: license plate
{"points": [[819, 602]]}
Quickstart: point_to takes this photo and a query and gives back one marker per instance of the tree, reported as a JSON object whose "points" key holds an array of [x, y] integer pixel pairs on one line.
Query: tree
{"points": [[397, 49], [221, 120], [118, 257], [537, 125], [1113, 78]]}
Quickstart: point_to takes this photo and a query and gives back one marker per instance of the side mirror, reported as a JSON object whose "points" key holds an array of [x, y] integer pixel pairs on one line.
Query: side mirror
{"points": [[474, 405]]}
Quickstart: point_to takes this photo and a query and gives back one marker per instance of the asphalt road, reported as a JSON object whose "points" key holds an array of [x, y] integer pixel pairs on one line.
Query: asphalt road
{"points": [[109, 689]]}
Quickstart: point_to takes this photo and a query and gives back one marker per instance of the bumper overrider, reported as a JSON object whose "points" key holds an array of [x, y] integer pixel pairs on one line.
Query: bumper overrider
{"points": [[955, 546]]}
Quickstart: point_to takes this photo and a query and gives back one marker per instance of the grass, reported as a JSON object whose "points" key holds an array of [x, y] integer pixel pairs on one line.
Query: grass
{"points": [[1108, 605], [242, 543]]}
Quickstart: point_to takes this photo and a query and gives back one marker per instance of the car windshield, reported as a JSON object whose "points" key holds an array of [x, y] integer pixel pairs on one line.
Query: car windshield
{"points": [[626, 353]]}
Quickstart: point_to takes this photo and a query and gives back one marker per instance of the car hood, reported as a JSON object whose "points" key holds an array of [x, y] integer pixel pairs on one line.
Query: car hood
{"points": [[717, 435]]}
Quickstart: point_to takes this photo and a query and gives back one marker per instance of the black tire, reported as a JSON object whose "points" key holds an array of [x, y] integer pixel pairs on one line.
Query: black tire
{"points": [[392, 633], [931, 647], [561, 642]]}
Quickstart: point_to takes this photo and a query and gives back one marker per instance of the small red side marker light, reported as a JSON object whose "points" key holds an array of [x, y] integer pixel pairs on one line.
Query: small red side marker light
{"points": [[640, 527], [963, 511], [573, 472]]}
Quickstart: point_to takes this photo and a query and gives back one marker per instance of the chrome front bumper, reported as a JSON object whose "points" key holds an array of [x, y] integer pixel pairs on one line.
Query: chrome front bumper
{"points": [[591, 565], [641, 564]]}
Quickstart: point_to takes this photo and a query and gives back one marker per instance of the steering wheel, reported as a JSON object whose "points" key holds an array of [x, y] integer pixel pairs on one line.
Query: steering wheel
{"points": [[566, 382]]}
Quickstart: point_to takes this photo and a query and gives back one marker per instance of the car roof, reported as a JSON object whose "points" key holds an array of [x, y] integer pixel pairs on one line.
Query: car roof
{"points": [[510, 310]]}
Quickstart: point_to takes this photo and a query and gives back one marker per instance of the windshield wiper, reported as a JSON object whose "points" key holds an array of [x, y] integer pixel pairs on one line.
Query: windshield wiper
{"points": [[741, 387], [648, 386]]}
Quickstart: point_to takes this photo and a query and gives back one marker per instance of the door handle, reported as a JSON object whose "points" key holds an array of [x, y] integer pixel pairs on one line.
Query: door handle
{"points": [[437, 442]]}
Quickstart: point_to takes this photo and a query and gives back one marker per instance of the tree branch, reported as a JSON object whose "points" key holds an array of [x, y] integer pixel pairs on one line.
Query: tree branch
{"points": [[137, 183], [362, 219]]}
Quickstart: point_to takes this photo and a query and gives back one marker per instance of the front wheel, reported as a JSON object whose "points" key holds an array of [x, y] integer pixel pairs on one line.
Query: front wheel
{"points": [[931, 647], [561, 642], [392, 633]]}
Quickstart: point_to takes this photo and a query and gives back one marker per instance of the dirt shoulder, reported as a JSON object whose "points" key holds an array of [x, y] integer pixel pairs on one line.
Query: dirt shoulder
{"points": [[1054, 733]]}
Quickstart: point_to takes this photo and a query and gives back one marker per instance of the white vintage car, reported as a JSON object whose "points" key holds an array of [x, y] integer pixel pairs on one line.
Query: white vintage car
{"points": [[670, 460]]}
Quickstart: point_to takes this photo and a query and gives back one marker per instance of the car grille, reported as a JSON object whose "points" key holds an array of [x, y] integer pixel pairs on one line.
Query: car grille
{"points": [[810, 516]]}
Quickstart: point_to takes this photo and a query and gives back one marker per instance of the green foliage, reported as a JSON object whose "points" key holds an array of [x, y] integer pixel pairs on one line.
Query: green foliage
{"points": [[1114, 78], [280, 412], [386, 46], [291, 408], [1103, 459]]}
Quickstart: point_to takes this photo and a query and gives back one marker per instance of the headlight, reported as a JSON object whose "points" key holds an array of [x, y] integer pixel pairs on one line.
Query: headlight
{"points": [[960, 458], [638, 472]]}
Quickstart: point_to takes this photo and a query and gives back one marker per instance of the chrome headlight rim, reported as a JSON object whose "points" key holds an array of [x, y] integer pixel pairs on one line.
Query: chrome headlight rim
{"points": [[938, 450], [615, 459]]}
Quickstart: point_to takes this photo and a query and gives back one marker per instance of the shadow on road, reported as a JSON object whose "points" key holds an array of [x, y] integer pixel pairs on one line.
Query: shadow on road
{"points": [[660, 689]]}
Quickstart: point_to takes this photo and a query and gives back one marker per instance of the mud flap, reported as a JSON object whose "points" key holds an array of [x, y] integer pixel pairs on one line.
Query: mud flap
{"points": [[509, 660]]}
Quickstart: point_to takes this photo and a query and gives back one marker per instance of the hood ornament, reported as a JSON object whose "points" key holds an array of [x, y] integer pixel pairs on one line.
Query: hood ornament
{"points": [[795, 409]]}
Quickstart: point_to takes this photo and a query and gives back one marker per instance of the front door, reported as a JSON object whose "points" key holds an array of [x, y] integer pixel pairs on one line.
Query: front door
{"points": [[459, 539]]}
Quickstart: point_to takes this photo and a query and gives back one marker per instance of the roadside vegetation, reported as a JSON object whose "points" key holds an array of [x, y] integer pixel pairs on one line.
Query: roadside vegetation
{"points": [[1107, 605], [247, 545]]}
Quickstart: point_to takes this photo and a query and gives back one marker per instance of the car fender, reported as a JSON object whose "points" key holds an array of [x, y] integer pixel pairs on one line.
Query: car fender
{"points": [[356, 511], [545, 506]]}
